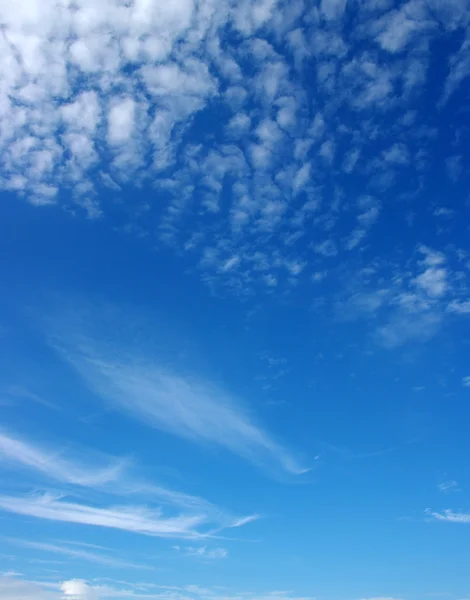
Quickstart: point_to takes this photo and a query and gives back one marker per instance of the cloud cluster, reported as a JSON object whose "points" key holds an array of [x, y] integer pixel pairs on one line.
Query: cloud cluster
{"points": [[252, 125], [406, 303]]}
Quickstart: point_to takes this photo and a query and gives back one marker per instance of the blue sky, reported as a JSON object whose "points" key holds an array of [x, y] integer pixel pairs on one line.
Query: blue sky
{"points": [[234, 320]]}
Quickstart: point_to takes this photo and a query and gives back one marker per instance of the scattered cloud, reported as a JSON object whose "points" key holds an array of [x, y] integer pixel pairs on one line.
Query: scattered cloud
{"points": [[262, 178], [136, 519], [450, 516], [407, 303], [127, 88], [448, 486]]}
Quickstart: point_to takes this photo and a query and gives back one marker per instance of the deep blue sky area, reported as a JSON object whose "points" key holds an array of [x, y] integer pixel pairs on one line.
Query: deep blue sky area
{"points": [[235, 307]]}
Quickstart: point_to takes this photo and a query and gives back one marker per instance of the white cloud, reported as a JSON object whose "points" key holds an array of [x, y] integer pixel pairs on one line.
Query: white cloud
{"points": [[16, 589], [433, 281], [350, 160], [286, 115], [405, 327], [50, 83], [397, 154], [415, 301], [466, 381], [79, 554], [51, 464], [261, 156], [459, 70], [327, 248], [458, 307], [333, 9], [109, 481], [77, 589], [206, 553], [432, 258], [398, 27], [185, 406], [137, 519], [239, 124], [301, 177], [355, 238], [145, 388], [369, 216], [82, 114], [94, 98], [448, 486], [369, 210], [235, 96], [450, 516], [327, 151], [121, 121]]}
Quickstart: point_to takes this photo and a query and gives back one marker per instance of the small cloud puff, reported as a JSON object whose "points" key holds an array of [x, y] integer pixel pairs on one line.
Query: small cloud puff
{"points": [[77, 589]]}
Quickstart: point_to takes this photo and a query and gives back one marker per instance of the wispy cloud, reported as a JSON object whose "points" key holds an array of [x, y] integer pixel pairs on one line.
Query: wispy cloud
{"points": [[63, 549], [136, 519], [186, 406], [448, 486], [51, 464], [109, 482], [203, 552], [20, 393]]}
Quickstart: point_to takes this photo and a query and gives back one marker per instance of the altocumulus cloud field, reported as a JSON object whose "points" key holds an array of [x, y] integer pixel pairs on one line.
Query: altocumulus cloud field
{"points": [[235, 298]]}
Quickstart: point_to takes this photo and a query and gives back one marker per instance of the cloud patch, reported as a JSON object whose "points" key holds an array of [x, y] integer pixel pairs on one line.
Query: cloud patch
{"points": [[186, 406], [135, 519]]}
